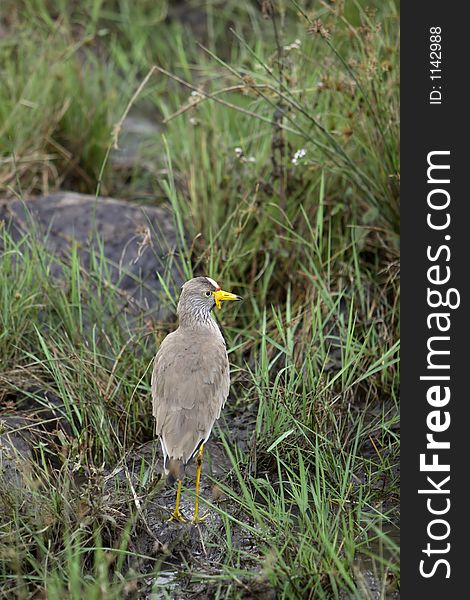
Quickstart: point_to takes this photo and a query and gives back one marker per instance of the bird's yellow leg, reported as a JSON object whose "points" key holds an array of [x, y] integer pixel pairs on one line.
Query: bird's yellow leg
{"points": [[196, 517], [177, 516]]}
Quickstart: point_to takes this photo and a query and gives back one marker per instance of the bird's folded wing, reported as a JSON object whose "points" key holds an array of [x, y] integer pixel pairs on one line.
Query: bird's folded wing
{"points": [[190, 383]]}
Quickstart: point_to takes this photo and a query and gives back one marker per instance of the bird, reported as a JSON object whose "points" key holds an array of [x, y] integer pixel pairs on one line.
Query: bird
{"points": [[190, 382]]}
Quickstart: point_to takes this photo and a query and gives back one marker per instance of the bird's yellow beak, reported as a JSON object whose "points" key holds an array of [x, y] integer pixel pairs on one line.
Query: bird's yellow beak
{"points": [[220, 296]]}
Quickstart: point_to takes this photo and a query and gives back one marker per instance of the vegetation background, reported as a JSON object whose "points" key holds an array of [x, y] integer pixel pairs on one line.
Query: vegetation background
{"points": [[276, 148]]}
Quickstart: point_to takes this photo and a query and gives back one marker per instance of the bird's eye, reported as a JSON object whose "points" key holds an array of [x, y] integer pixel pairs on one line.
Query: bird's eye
{"points": [[207, 294]]}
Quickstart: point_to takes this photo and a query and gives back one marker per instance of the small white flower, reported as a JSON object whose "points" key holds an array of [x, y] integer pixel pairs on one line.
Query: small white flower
{"points": [[193, 121], [298, 156], [241, 156], [294, 46]]}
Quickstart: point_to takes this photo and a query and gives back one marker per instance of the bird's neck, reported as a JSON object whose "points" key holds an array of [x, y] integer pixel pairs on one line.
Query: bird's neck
{"points": [[202, 321]]}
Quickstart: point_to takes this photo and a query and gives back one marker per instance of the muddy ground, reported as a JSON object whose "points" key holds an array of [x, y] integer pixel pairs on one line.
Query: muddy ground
{"points": [[184, 553], [189, 558]]}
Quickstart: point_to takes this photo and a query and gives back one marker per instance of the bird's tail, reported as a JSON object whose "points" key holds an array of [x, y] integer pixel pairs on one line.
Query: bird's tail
{"points": [[174, 468]]}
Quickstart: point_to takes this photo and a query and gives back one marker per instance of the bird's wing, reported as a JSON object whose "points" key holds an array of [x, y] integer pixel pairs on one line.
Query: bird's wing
{"points": [[190, 383]]}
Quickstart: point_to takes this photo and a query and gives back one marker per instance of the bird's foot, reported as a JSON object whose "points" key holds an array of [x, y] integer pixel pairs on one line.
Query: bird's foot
{"points": [[176, 516], [197, 519]]}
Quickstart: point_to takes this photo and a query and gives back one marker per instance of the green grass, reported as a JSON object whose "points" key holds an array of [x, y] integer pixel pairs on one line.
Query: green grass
{"points": [[312, 247]]}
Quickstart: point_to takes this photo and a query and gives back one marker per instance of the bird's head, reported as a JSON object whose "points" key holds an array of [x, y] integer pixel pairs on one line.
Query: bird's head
{"points": [[199, 296]]}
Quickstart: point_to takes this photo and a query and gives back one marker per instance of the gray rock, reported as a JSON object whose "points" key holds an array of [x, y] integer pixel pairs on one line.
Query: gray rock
{"points": [[137, 131], [15, 452], [138, 240]]}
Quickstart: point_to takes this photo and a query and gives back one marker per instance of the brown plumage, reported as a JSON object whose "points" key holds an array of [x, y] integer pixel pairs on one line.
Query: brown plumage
{"points": [[190, 379]]}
